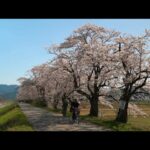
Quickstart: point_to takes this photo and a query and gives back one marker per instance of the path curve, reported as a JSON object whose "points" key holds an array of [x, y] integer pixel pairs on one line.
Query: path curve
{"points": [[43, 120]]}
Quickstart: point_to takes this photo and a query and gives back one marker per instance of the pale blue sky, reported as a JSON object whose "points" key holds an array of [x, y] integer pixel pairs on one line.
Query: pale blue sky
{"points": [[23, 41]]}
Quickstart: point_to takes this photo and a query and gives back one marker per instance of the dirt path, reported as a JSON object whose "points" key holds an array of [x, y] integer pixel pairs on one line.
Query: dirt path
{"points": [[43, 120]]}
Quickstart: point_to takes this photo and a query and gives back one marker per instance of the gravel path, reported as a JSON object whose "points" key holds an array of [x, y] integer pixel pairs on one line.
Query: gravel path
{"points": [[43, 120]]}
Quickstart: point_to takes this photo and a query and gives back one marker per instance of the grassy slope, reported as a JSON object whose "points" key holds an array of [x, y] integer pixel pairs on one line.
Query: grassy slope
{"points": [[6, 108], [12, 119]]}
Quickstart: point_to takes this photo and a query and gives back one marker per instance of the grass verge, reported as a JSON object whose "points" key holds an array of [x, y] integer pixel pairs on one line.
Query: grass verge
{"points": [[133, 124], [12, 119]]}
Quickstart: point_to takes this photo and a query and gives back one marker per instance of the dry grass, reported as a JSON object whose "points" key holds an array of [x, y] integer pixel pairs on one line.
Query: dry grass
{"points": [[108, 115], [106, 111]]}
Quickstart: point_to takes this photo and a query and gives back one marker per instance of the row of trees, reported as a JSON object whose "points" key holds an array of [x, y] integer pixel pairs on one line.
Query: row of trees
{"points": [[89, 63]]}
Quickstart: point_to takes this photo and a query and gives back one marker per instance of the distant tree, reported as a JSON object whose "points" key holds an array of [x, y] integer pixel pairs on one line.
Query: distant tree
{"points": [[40, 77], [27, 91], [61, 87]]}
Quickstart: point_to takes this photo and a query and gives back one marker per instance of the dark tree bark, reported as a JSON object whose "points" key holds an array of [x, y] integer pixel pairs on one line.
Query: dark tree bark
{"points": [[55, 102], [42, 93], [64, 105], [94, 109], [122, 115], [130, 88]]}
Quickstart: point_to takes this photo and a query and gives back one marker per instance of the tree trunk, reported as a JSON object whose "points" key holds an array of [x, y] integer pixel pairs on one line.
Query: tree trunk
{"points": [[64, 106], [122, 115], [94, 106], [55, 103], [43, 101], [41, 92]]}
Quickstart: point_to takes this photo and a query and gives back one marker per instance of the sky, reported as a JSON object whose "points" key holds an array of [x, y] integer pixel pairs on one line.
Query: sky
{"points": [[23, 42]]}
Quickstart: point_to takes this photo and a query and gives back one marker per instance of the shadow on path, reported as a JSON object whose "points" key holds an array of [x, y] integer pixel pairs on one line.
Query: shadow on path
{"points": [[43, 120]]}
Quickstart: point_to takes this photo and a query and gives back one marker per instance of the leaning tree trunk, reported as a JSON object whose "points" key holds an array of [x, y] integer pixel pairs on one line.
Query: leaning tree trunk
{"points": [[122, 115], [94, 106]]}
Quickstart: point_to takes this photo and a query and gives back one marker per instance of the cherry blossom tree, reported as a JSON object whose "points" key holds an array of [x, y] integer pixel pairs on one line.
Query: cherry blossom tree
{"points": [[133, 69], [27, 91], [61, 87], [86, 55], [91, 62], [40, 77], [53, 84]]}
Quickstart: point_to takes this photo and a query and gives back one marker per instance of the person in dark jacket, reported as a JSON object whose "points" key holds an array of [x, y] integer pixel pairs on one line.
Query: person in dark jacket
{"points": [[75, 110]]}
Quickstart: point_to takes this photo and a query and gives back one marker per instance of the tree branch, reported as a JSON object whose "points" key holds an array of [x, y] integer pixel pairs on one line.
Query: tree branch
{"points": [[141, 85]]}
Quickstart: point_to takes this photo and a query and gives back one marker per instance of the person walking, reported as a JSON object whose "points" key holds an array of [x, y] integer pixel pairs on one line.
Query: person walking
{"points": [[75, 110]]}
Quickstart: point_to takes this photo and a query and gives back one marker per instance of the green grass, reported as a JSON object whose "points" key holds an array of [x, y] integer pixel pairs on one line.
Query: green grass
{"points": [[54, 110], [12, 119], [108, 116], [108, 119], [37, 103], [7, 108], [41, 105], [133, 124], [20, 128]]}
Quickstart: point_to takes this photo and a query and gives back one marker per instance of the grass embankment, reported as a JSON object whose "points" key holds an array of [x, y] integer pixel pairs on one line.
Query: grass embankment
{"points": [[12, 119]]}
